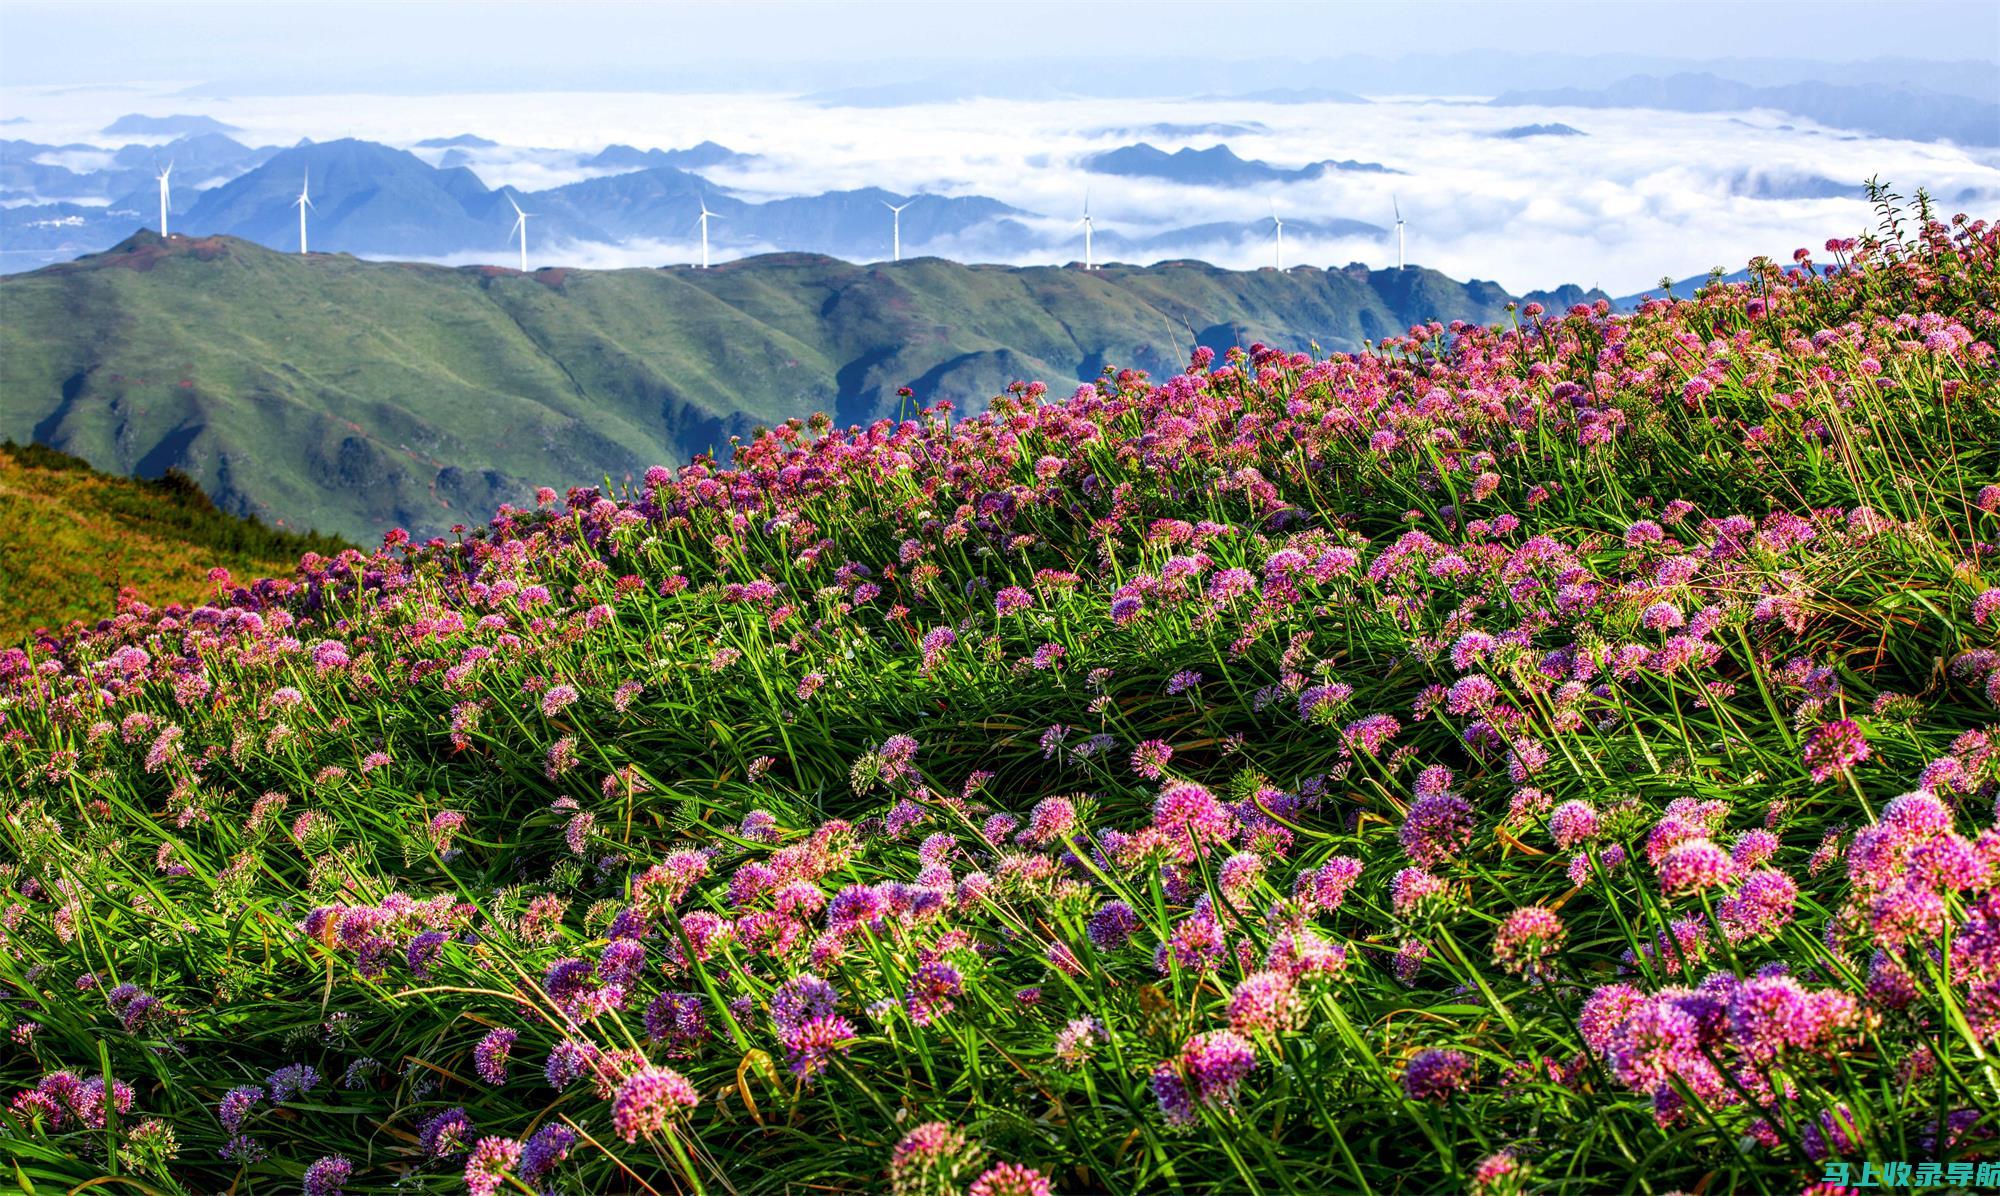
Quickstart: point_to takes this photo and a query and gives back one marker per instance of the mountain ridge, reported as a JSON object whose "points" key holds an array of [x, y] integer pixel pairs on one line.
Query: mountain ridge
{"points": [[348, 395], [1215, 166], [383, 201]]}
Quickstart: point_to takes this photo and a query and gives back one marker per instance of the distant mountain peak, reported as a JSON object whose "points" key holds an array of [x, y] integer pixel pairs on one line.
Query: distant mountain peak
{"points": [[696, 157], [138, 125], [1217, 166], [462, 141], [1519, 132]]}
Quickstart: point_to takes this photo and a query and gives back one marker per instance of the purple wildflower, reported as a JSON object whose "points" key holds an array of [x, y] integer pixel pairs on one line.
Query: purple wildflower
{"points": [[489, 1164], [1011, 1179], [1264, 1005], [1436, 1074], [1051, 820], [1835, 748], [1150, 758], [328, 1177], [648, 1099], [931, 990], [1112, 926], [1573, 823], [489, 1058], [1436, 829], [292, 1080], [1527, 938], [235, 1106], [445, 1134], [546, 1150], [677, 1020], [800, 1000], [810, 1045], [1079, 1040]]}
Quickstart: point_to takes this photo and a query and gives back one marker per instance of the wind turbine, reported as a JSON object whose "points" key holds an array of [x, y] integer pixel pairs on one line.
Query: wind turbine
{"points": [[163, 196], [1278, 255], [898, 218], [705, 215], [1088, 227], [303, 202], [1394, 206], [520, 226]]}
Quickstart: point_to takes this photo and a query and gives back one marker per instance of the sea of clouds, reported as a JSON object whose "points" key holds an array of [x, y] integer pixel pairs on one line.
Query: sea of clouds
{"points": [[1645, 194]]}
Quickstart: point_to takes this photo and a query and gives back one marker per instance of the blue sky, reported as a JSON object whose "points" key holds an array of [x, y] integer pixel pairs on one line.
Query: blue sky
{"points": [[330, 43]]}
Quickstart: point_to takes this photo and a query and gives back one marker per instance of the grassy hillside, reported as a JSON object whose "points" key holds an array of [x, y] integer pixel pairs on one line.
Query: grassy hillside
{"points": [[352, 396], [71, 538], [1560, 760]]}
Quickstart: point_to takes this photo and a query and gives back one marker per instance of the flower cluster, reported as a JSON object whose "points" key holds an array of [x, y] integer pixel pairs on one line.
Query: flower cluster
{"points": [[1496, 755]]}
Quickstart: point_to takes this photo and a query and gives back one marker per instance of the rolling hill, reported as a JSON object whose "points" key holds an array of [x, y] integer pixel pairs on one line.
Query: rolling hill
{"points": [[94, 534], [330, 392]]}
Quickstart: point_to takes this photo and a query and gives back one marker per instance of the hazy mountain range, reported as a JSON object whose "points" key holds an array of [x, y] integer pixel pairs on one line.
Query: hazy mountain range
{"points": [[374, 199], [59, 200], [1907, 112], [1328, 159], [324, 391], [1361, 74], [938, 74]]}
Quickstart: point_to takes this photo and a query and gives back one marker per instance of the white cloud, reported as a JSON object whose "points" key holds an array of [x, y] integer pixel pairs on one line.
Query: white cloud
{"points": [[1645, 194]]}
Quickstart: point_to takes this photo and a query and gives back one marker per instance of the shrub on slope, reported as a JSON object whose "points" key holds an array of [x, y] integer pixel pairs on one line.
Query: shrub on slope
{"points": [[76, 537], [1532, 756]]}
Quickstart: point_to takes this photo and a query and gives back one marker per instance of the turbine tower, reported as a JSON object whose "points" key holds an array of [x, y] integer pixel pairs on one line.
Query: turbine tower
{"points": [[705, 215], [163, 196], [303, 202], [1397, 208], [1088, 262], [520, 226], [1278, 253], [898, 220]]}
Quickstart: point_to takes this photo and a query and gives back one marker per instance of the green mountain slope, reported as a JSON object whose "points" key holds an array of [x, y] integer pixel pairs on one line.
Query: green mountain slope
{"points": [[71, 538], [350, 396]]}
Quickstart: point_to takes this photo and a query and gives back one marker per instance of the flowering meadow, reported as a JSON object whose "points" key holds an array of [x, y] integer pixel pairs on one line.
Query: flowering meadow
{"points": [[1553, 757]]}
